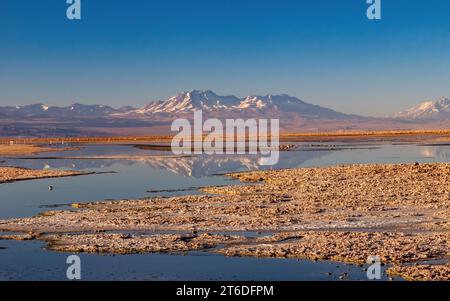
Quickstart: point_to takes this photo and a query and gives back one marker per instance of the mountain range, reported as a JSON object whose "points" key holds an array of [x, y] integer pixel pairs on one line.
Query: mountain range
{"points": [[183, 103], [429, 110], [156, 117]]}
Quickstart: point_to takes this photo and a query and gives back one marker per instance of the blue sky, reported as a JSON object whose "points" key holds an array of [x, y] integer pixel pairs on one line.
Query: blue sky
{"points": [[134, 51]]}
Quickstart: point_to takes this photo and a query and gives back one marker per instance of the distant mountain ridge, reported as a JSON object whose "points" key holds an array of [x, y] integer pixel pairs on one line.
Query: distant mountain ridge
{"points": [[294, 114], [74, 110], [183, 103], [187, 102], [208, 101], [429, 110], [190, 101]]}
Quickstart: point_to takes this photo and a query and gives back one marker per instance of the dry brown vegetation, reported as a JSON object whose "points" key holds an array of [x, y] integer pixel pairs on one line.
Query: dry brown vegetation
{"points": [[287, 136]]}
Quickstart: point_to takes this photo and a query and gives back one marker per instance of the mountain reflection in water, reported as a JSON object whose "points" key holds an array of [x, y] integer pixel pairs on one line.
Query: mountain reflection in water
{"points": [[193, 166]]}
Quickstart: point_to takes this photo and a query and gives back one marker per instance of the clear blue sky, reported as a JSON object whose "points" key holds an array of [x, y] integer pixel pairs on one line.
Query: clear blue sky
{"points": [[134, 51]]}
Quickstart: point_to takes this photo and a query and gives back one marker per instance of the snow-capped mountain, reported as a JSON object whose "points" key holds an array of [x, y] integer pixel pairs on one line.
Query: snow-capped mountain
{"points": [[288, 104], [209, 102], [430, 110], [190, 101]]}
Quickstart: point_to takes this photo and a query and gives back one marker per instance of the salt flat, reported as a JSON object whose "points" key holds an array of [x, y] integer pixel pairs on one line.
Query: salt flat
{"points": [[399, 212], [13, 174]]}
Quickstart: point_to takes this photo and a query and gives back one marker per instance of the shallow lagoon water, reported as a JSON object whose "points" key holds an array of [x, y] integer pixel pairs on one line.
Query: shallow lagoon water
{"points": [[134, 178], [25, 261]]}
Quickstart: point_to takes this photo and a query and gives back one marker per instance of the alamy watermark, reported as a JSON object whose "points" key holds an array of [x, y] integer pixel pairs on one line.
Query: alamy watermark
{"points": [[236, 136], [374, 270], [74, 270], [74, 10], [373, 11]]}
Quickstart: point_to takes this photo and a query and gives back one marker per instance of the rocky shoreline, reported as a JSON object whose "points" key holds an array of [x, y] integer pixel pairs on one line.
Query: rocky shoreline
{"points": [[399, 212]]}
